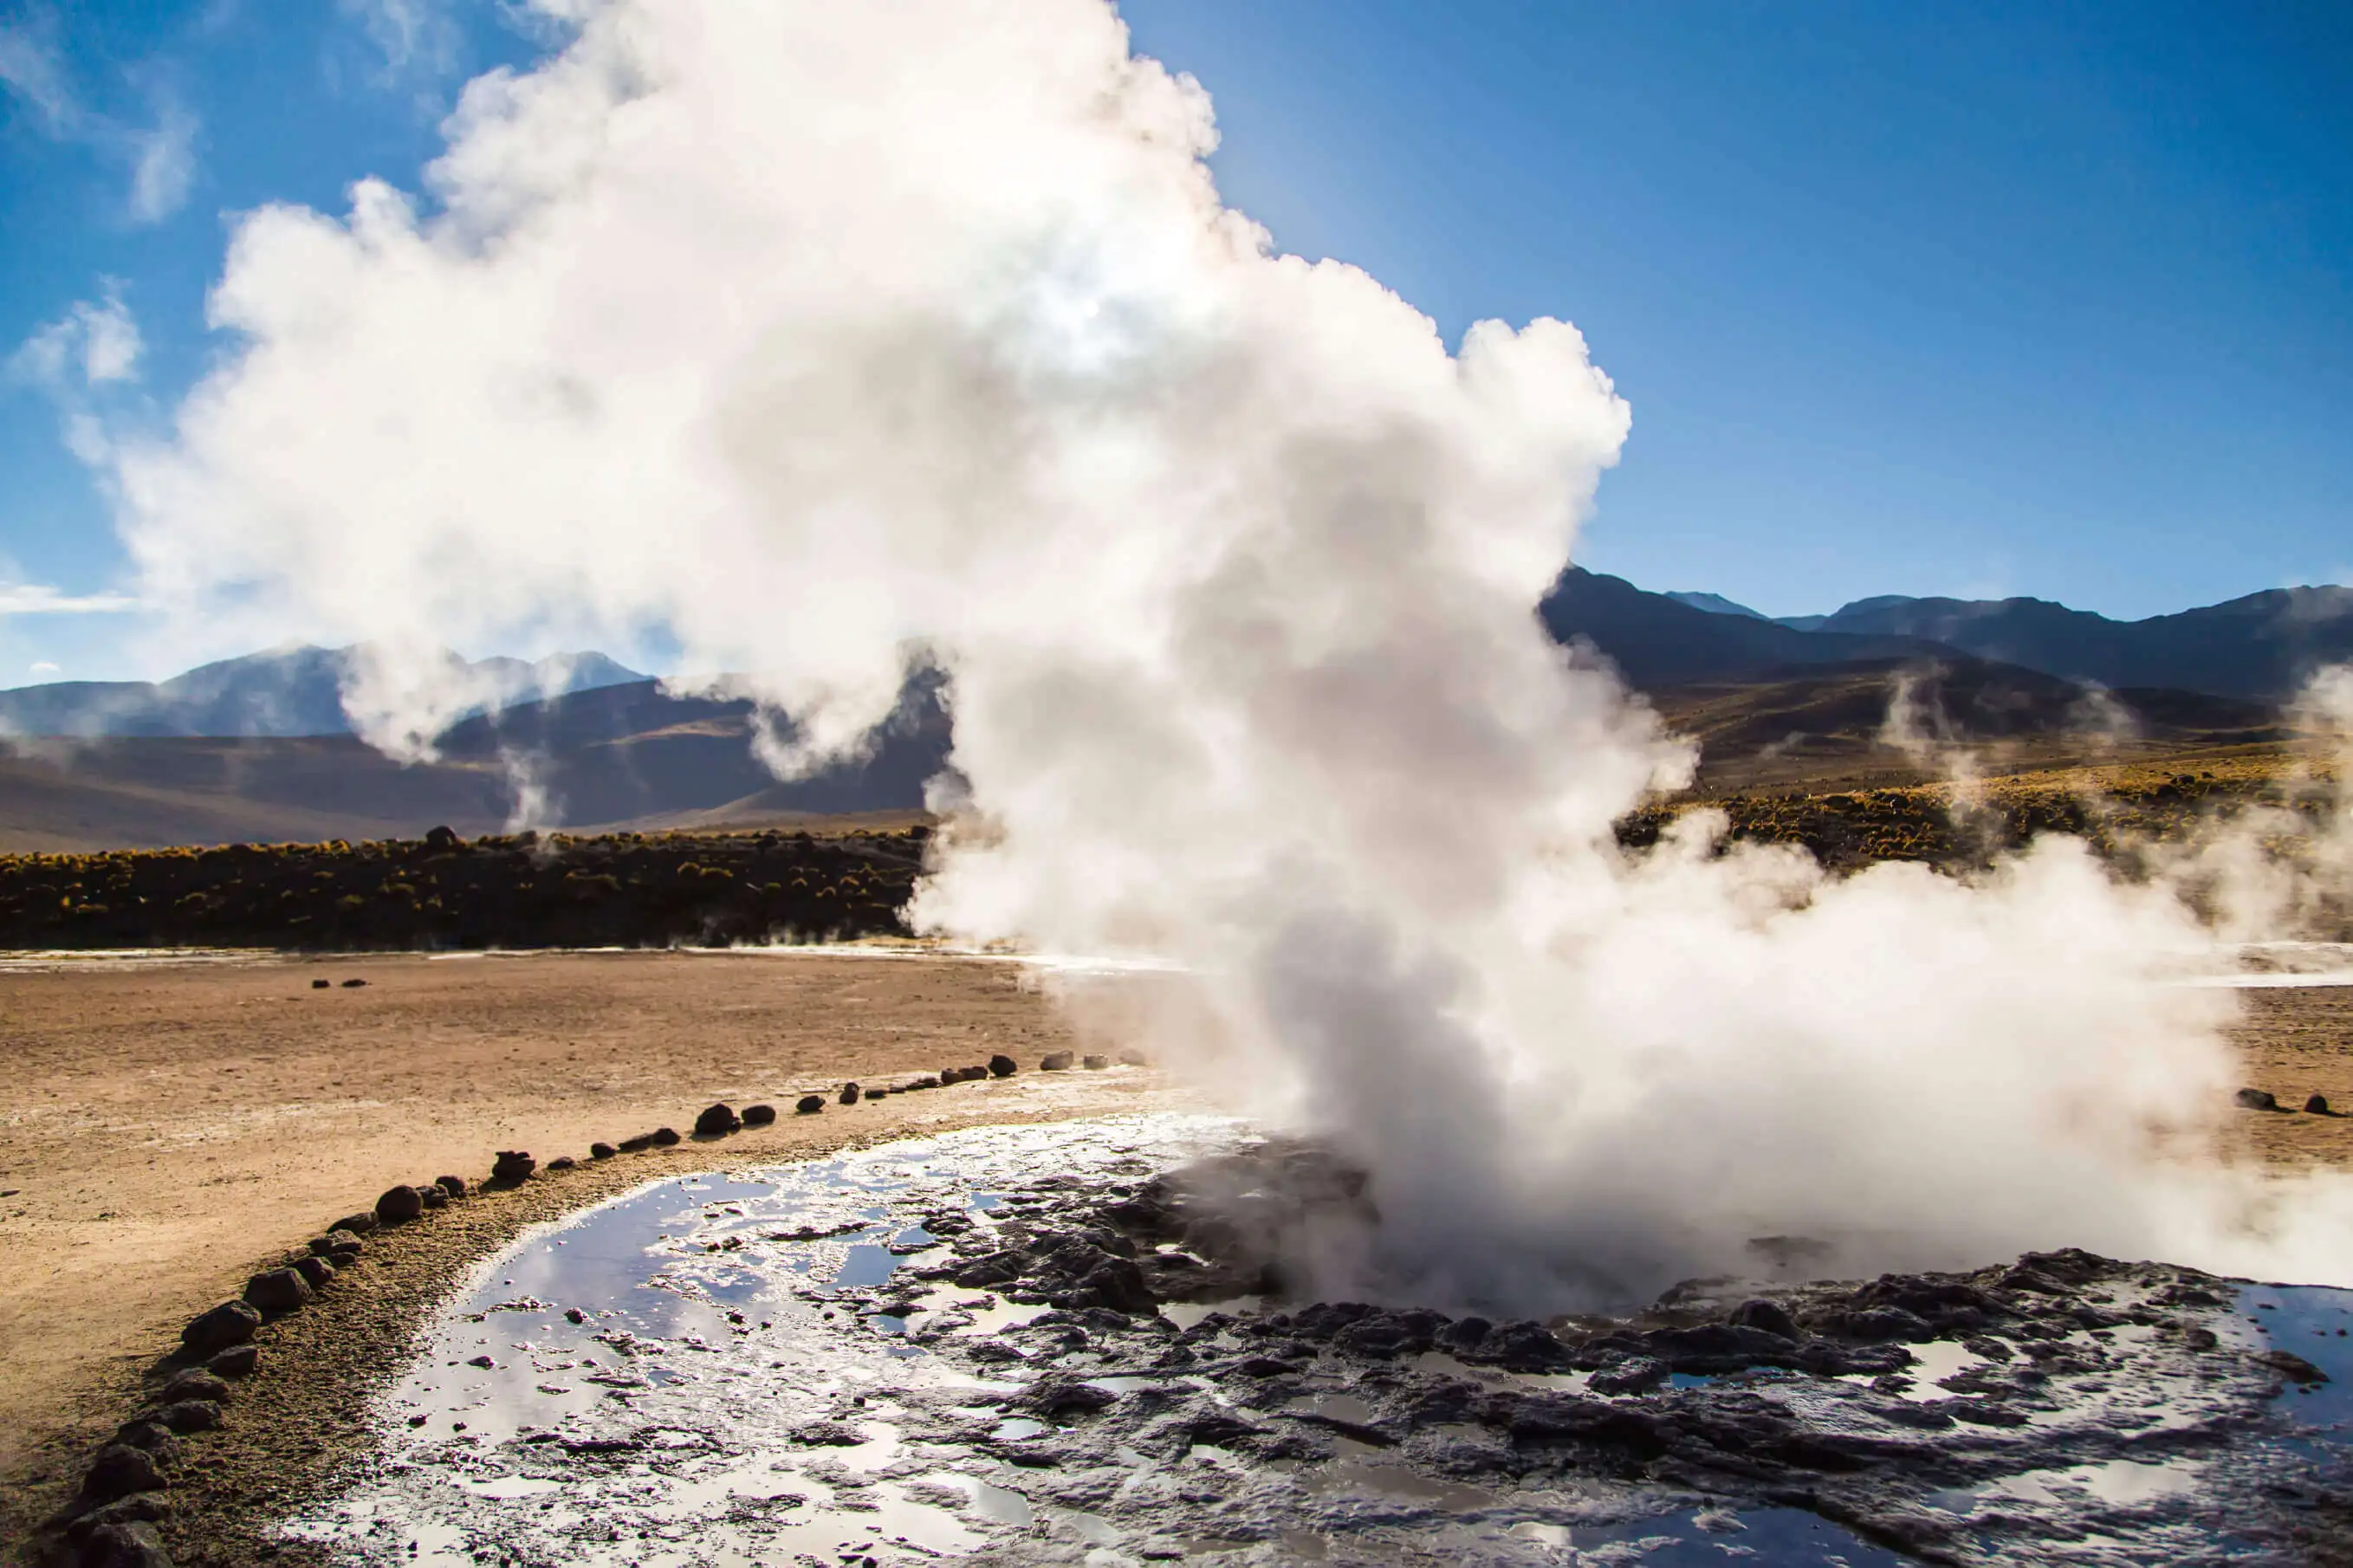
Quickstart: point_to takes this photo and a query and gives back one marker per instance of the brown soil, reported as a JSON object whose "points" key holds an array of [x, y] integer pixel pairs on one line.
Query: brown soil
{"points": [[168, 1127], [2298, 1043]]}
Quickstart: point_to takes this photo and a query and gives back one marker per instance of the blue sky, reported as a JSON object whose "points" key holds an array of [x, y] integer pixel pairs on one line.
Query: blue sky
{"points": [[2052, 299]]}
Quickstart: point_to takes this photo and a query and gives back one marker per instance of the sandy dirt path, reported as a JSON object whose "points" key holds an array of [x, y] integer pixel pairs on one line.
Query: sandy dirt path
{"points": [[163, 1127]]}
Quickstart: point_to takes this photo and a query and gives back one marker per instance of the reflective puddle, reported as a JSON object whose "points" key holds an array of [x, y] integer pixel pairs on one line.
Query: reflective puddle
{"points": [[755, 1368]]}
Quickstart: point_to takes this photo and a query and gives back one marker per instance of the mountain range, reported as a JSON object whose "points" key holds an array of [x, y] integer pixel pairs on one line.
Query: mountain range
{"points": [[283, 692], [2261, 646], [259, 748]]}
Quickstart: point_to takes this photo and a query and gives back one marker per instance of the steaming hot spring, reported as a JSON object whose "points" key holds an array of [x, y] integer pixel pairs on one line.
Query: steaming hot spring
{"points": [[1095, 1342], [842, 346]]}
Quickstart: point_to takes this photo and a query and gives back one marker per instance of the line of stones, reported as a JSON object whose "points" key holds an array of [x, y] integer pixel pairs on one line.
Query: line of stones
{"points": [[110, 1523]]}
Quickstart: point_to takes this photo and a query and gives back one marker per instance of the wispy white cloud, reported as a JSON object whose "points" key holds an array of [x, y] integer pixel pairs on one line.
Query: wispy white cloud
{"points": [[163, 161], [42, 599], [417, 38], [161, 158], [29, 69], [94, 344]]}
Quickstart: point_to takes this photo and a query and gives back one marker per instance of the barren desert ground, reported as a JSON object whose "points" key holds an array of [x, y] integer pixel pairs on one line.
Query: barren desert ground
{"points": [[165, 1126], [168, 1125]]}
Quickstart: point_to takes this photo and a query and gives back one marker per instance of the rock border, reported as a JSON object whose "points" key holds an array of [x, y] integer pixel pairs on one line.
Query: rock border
{"points": [[264, 1399]]}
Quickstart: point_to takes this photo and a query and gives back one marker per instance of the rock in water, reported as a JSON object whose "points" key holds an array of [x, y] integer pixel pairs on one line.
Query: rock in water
{"points": [[849, 1093], [278, 1290], [717, 1120], [1771, 1316], [1056, 1061], [810, 1104], [230, 1323], [2257, 1099], [513, 1165], [398, 1205], [759, 1115], [1003, 1066]]}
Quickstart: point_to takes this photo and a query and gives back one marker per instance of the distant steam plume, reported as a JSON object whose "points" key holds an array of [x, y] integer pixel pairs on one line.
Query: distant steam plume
{"points": [[833, 337]]}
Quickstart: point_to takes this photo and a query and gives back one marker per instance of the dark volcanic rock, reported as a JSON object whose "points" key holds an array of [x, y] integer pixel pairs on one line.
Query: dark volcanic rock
{"points": [[642, 1141], [278, 1290], [230, 1323], [195, 1384], [139, 1508], [128, 1544], [1095, 1064], [1003, 1066], [561, 1162], [315, 1271], [1385, 1335], [665, 1137], [2317, 1105], [2256, 1099], [759, 1115], [455, 1187], [1635, 1374], [515, 1165], [1056, 1061], [154, 1435], [1065, 1396], [850, 1094], [118, 1471], [1770, 1316], [322, 985], [187, 1415], [432, 1195], [354, 1225], [602, 1150], [717, 1121], [809, 1105], [398, 1205], [238, 1361]]}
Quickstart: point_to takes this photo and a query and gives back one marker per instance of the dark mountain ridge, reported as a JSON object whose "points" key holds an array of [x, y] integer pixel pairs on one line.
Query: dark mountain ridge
{"points": [[281, 693], [2261, 646]]}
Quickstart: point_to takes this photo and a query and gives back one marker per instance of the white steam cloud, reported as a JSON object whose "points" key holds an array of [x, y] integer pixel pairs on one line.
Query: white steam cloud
{"points": [[831, 336]]}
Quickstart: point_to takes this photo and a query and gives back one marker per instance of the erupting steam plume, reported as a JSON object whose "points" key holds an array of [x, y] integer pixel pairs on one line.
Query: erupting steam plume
{"points": [[833, 336]]}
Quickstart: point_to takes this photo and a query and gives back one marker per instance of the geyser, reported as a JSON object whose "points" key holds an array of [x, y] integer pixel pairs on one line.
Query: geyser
{"points": [[833, 337]]}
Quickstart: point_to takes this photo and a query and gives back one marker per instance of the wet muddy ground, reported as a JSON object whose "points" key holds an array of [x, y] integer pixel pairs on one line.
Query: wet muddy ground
{"points": [[1051, 1344]]}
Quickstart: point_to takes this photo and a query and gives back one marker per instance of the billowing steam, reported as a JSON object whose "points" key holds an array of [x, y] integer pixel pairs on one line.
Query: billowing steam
{"points": [[835, 336]]}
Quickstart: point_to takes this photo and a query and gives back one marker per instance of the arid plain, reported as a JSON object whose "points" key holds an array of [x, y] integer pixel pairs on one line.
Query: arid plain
{"points": [[166, 1124]]}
